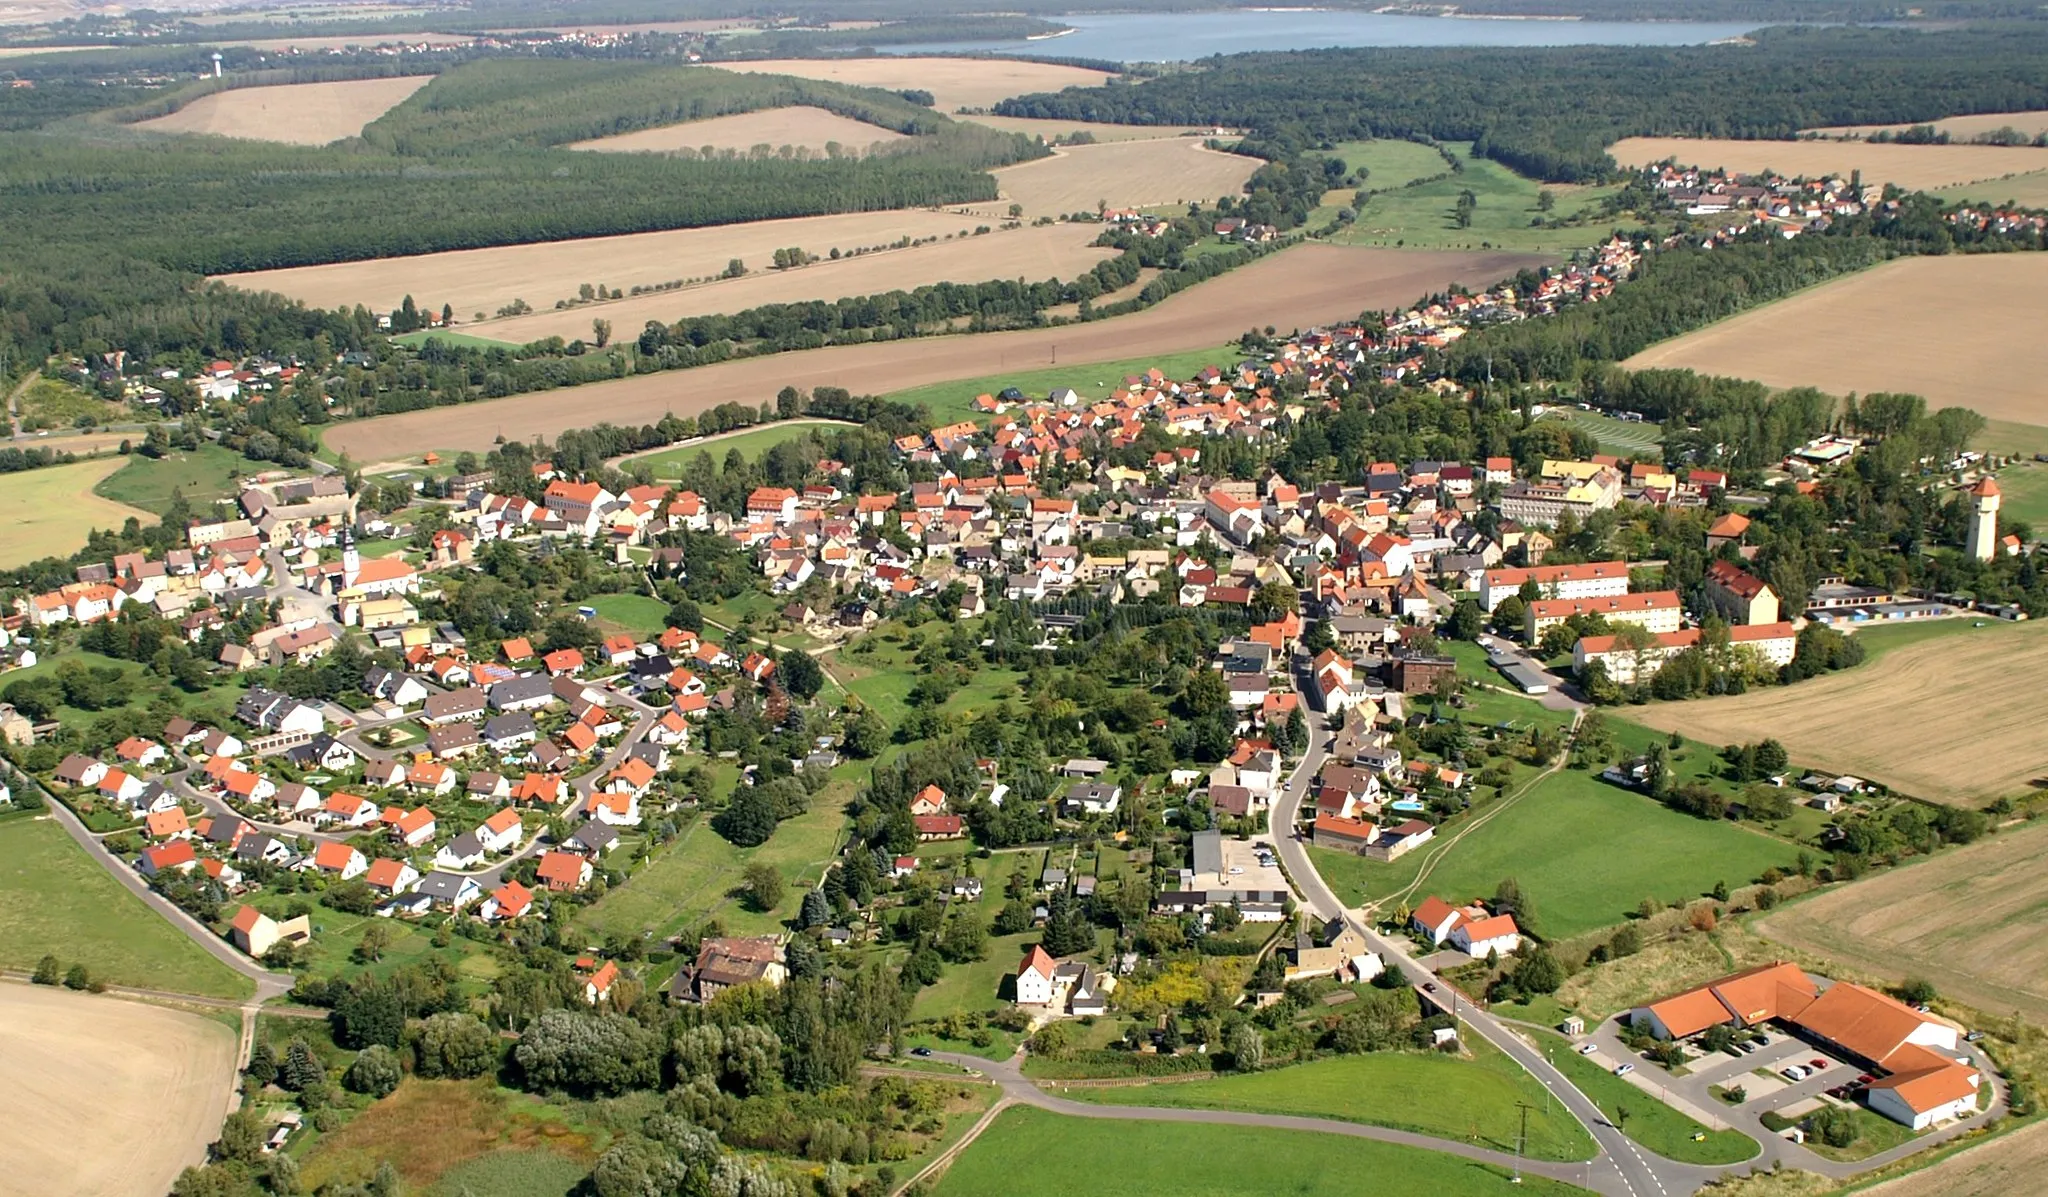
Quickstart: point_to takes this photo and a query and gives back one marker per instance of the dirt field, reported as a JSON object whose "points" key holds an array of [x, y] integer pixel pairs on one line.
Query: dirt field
{"points": [[1963, 329], [1910, 166], [144, 1088], [1960, 127], [1101, 132], [298, 113], [1301, 287], [1973, 920], [798, 125], [954, 82], [1124, 174], [2008, 1165], [1053, 251], [1975, 735], [484, 280], [48, 512]]}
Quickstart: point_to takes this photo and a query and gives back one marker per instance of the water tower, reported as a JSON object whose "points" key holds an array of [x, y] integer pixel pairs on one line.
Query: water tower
{"points": [[216, 64]]}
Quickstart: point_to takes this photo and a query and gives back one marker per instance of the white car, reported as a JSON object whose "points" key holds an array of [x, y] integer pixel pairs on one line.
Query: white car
{"points": [[1794, 1073], [1624, 1069], [1587, 1049]]}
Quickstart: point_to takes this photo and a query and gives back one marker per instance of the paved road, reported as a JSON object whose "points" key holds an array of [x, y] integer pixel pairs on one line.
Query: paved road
{"points": [[1019, 1090]]}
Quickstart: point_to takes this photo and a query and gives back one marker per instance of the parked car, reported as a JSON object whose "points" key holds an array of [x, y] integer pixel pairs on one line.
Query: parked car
{"points": [[1734, 1049], [1864, 1078], [1839, 1093], [1624, 1069], [1817, 1065], [1747, 1047], [1587, 1049], [1973, 1036], [920, 1051], [1793, 1073]]}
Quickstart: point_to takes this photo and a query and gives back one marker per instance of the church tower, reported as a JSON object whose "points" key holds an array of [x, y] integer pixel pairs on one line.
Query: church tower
{"points": [[1983, 542], [351, 561]]}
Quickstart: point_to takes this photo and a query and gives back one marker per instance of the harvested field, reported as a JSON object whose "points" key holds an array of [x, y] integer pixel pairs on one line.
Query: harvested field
{"points": [[146, 1087], [297, 114], [1961, 128], [484, 280], [1309, 285], [954, 82], [2009, 1164], [1059, 251], [1962, 330], [1124, 174], [1971, 920], [1910, 166], [797, 125], [1975, 734], [1049, 129], [49, 512]]}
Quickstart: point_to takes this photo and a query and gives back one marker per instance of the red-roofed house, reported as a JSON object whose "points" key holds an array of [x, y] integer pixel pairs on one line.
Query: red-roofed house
{"points": [[938, 827], [391, 877], [508, 901], [340, 859], [561, 871], [175, 856]]}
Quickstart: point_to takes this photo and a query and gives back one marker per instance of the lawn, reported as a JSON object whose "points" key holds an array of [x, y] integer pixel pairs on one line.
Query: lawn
{"points": [[1142, 1159], [1874, 1133], [457, 339], [56, 900], [1421, 216], [1628, 438], [203, 475], [951, 401], [1586, 852], [668, 463], [1649, 1122], [49, 512], [634, 613], [1471, 1101], [967, 988]]}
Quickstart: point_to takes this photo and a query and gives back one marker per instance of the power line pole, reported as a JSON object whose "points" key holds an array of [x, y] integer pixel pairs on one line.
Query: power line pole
{"points": [[1520, 1141]]}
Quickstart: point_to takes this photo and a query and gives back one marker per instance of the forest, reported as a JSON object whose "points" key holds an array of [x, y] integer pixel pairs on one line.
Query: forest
{"points": [[1551, 113]]}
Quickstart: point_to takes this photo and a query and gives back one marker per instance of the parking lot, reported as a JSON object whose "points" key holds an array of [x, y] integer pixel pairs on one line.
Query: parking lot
{"points": [[1779, 1074], [1243, 866]]}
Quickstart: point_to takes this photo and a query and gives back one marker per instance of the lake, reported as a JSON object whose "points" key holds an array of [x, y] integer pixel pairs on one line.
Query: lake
{"points": [[1182, 37]]}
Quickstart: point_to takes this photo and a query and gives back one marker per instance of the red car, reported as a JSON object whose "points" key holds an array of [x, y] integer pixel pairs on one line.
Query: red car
{"points": [[1817, 1065]]}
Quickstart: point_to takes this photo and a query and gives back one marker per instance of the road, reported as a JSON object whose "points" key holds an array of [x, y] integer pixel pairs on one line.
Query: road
{"points": [[1622, 1169], [1017, 1089]]}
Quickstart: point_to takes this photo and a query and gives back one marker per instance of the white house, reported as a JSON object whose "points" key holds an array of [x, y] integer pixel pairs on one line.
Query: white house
{"points": [[500, 832], [1035, 977], [1479, 937]]}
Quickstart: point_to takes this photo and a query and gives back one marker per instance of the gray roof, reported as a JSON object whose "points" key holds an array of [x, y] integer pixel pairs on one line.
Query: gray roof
{"points": [[466, 845], [1209, 851], [521, 689], [442, 887], [595, 834], [504, 727]]}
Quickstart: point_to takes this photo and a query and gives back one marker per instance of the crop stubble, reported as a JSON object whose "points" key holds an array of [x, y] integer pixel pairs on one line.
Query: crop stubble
{"points": [[796, 125], [295, 113], [1312, 284], [954, 82], [1910, 166]]}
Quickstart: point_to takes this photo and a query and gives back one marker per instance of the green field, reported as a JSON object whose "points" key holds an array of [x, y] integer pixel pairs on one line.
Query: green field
{"points": [[459, 339], [668, 463], [2004, 436], [1471, 1101], [1880, 638], [634, 613], [532, 1173], [1587, 852], [2026, 191], [1390, 164], [1650, 1122], [207, 473], [951, 401], [2024, 485], [1624, 438], [1143, 1159], [56, 900], [140, 688], [1421, 217]]}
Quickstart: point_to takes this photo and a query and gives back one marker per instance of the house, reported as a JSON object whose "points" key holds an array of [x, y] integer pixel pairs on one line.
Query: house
{"points": [[595, 838], [505, 733], [561, 871], [140, 753], [168, 825], [391, 877], [616, 808], [931, 800], [1479, 938], [1093, 798], [401, 690], [455, 705], [175, 856], [256, 932], [449, 891], [1435, 918], [415, 827], [563, 662], [1394, 842], [1035, 977], [725, 962], [509, 901], [1658, 610], [938, 827], [501, 832], [77, 770], [1325, 952], [341, 860], [597, 986], [465, 851], [1740, 596], [347, 810]]}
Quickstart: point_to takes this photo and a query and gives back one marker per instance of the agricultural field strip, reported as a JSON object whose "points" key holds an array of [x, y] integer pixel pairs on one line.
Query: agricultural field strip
{"points": [[1910, 166], [1302, 287], [1974, 336], [49, 511], [1060, 251], [295, 114], [1962, 128], [955, 83], [797, 125]]}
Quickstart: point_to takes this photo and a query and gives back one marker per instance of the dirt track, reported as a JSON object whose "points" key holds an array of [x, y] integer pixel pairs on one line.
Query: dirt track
{"points": [[1310, 285], [101, 1097]]}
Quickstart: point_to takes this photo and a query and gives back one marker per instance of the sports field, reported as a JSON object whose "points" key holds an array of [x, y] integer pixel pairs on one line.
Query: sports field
{"points": [[1961, 128], [49, 512], [1423, 215], [796, 125], [1973, 920], [1585, 851], [101, 1097], [484, 280], [1299, 288], [54, 900], [1973, 737], [954, 82], [1626, 437], [1123, 174], [1142, 1159], [1910, 166], [1058, 251], [1975, 338], [295, 113], [1471, 1101]]}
